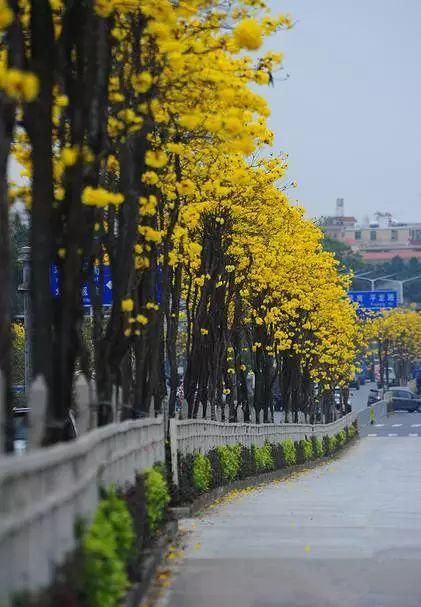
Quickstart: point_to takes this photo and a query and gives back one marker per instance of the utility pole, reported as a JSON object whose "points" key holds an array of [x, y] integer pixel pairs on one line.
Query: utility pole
{"points": [[25, 288]]}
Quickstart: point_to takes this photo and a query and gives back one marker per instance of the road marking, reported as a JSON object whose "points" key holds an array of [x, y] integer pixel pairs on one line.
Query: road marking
{"points": [[392, 435], [415, 425], [413, 434], [379, 425], [396, 425], [371, 434]]}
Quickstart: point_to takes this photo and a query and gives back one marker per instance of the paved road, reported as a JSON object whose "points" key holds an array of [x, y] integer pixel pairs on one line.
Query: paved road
{"points": [[346, 534], [359, 397], [400, 423]]}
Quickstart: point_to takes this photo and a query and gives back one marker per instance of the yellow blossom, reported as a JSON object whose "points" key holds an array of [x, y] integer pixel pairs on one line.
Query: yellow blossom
{"points": [[248, 34], [127, 305], [156, 159]]}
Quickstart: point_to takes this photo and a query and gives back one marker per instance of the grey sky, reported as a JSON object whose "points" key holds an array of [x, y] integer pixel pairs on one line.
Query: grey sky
{"points": [[350, 113]]}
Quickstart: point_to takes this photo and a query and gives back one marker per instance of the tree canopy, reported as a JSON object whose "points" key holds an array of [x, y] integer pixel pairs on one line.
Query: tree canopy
{"points": [[145, 147]]}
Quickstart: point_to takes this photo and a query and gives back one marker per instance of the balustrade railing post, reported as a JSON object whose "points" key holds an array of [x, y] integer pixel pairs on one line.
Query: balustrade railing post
{"points": [[174, 450]]}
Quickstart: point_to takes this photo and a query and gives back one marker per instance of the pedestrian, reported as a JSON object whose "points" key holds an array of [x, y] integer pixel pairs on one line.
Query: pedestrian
{"points": [[372, 416]]}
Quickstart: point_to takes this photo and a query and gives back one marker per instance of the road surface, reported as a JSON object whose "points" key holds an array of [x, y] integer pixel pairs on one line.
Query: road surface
{"points": [[401, 423], [359, 397], [345, 534]]}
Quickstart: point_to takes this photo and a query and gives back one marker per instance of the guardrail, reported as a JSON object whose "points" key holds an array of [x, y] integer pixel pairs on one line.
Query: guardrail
{"points": [[202, 435], [43, 494]]}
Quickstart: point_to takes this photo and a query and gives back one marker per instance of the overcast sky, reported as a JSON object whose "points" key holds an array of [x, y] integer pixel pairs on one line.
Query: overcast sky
{"points": [[350, 112]]}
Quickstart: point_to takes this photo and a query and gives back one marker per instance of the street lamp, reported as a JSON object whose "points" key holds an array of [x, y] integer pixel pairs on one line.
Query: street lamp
{"points": [[400, 284], [372, 281]]}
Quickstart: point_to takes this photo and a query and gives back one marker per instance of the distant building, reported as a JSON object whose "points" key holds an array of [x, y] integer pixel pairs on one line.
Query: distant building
{"points": [[378, 240], [337, 226]]}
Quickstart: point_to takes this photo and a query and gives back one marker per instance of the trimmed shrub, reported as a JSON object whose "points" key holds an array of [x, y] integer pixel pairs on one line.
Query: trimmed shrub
{"points": [[157, 498], [106, 546], [332, 444], [304, 450], [230, 460], [202, 473], [352, 432], [263, 458], [317, 444], [340, 439], [288, 451]]}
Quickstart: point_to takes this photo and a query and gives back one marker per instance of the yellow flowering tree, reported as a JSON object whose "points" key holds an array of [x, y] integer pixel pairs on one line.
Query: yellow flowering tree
{"points": [[397, 335], [143, 146]]}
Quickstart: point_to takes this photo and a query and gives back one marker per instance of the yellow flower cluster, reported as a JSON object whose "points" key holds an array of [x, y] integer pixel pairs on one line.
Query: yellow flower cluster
{"points": [[19, 85], [99, 197], [6, 14]]}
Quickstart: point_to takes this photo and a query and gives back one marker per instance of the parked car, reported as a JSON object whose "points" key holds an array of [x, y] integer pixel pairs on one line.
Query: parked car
{"points": [[403, 399], [373, 397]]}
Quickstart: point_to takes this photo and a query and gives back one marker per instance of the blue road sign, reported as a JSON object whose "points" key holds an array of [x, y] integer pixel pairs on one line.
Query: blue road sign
{"points": [[374, 300], [101, 274]]}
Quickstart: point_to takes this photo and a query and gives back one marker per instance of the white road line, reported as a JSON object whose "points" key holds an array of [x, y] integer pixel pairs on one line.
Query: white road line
{"points": [[379, 425], [392, 435], [413, 434], [396, 425], [371, 434], [415, 425]]}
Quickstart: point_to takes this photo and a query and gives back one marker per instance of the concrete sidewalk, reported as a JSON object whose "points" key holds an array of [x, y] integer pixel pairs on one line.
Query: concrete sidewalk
{"points": [[345, 534]]}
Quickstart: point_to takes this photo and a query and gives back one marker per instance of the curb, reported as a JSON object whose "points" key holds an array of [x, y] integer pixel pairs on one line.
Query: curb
{"points": [[152, 558], [201, 502]]}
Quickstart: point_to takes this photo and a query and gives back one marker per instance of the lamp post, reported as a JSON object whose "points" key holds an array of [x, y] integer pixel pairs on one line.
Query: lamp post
{"points": [[372, 281], [400, 284]]}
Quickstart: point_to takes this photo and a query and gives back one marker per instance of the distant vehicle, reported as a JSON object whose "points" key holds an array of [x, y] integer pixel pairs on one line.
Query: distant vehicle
{"points": [[373, 397], [403, 399]]}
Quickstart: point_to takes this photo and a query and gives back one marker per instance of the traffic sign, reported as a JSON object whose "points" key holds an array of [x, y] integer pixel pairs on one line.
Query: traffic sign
{"points": [[102, 275], [374, 300]]}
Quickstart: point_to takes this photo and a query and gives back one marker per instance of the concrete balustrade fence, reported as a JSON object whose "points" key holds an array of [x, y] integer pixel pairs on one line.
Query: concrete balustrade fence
{"points": [[44, 493], [203, 435]]}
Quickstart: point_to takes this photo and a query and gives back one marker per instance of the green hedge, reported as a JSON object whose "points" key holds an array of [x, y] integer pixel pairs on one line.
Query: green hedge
{"points": [[263, 458], [230, 461], [106, 547], [157, 498], [202, 473], [110, 548], [289, 452], [318, 450], [121, 526], [199, 473], [304, 450]]}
